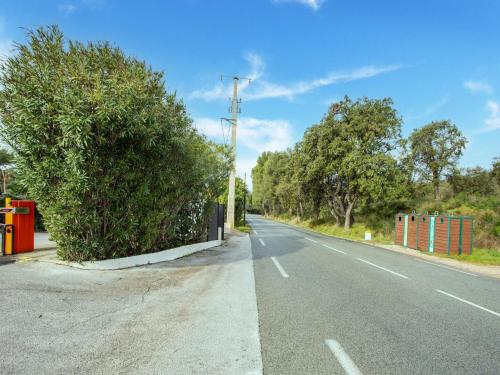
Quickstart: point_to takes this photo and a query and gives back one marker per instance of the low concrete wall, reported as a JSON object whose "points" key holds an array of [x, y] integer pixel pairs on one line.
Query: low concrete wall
{"points": [[144, 259]]}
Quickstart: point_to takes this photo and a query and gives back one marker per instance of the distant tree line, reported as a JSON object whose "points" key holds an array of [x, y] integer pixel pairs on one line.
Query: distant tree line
{"points": [[355, 157]]}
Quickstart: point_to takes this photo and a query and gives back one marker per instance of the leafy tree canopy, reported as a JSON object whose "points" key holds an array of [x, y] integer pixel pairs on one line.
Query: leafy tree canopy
{"points": [[435, 150]]}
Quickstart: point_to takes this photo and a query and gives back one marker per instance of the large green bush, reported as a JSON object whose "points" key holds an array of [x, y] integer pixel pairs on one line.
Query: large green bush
{"points": [[111, 159]]}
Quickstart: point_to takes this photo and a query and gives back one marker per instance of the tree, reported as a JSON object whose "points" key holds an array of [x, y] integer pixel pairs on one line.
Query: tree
{"points": [[342, 161], [435, 149], [240, 191], [6, 160], [495, 170], [266, 175], [349, 152], [472, 181], [111, 158]]}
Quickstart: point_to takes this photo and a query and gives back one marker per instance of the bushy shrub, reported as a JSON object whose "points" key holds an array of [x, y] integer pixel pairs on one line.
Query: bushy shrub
{"points": [[111, 159]]}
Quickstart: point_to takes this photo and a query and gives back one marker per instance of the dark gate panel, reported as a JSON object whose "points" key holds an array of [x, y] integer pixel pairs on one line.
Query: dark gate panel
{"points": [[212, 224], [220, 222], [216, 223]]}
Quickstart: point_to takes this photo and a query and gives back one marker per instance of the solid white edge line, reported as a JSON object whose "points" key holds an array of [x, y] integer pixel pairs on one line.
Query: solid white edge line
{"points": [[345, 361], [262, 242], [278, 266], [334, 249], [449, 268], [468, 302], [382, 268], [309, 239]]}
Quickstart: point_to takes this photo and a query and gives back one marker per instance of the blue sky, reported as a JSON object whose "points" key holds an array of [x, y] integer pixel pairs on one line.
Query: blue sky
{"points": [[437, 59]]}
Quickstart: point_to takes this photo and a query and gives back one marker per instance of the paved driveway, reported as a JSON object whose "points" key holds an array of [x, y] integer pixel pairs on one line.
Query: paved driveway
{"points": [[196, 315]]}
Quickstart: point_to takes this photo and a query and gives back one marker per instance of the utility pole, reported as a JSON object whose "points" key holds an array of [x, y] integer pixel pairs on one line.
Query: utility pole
{"points": [[245, 203], [232, 172]]}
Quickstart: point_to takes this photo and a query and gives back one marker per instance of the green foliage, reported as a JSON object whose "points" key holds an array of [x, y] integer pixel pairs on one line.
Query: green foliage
{"points": [[244, 229], [478, 256], [348, 160], [239, 198], [472, 181], [269, 177], [495, 171], [435, 150], [6, 160], [342, 161], [111, 159]]}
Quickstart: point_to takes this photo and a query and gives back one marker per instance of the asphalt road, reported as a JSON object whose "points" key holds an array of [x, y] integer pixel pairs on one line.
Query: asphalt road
{"points": [[329, 306]]}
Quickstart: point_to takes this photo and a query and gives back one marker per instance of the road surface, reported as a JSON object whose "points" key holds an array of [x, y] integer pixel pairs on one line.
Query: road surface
{"points": [[329, 306]]}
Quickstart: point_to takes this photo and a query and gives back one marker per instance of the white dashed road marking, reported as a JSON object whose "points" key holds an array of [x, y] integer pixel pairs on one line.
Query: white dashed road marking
{"points": [[468, 302], [382, 268], [334, 249], [345, 361], [278, 266]]}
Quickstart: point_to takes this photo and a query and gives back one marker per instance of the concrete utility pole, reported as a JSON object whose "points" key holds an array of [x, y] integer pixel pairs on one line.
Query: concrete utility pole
{"points": [[232, 172], [245, 203]]}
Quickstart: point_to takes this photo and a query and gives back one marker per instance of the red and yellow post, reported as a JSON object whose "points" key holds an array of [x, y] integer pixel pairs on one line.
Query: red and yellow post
{"points": [[8, 233]]}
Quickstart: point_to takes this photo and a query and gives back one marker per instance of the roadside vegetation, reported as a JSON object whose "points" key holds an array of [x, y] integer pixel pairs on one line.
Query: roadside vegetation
{"points": [[352, 172], [239, 199], [244, 228], [110, 157]]}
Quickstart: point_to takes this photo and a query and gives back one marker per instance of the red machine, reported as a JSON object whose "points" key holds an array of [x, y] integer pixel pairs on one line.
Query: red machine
{"points": [[24, 227], [18, 234]]}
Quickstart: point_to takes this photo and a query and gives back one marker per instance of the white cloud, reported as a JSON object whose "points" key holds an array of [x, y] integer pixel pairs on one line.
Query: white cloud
{"points": [[66, 9], [493, 121], [5, 44], [261, 88], [265, 135], [313, 4], [430, 110], [256, 135], [5, 49], [245, 166], [478, 87]]}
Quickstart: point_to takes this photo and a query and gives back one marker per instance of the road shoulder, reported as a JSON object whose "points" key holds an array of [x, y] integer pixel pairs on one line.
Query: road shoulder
{"points": [[484, 270]]}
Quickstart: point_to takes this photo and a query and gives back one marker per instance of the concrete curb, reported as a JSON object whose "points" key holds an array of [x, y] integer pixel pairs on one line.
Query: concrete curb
{"points": [[142, 260]]}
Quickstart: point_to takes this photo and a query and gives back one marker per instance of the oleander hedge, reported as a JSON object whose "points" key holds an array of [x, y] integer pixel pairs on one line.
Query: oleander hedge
{"points": [[110, 157]]}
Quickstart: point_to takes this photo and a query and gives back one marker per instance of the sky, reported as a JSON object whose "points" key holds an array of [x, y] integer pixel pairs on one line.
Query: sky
{"points": [[437, 59]]}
